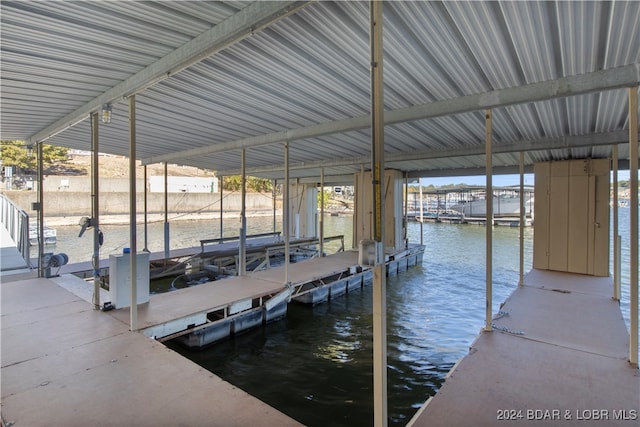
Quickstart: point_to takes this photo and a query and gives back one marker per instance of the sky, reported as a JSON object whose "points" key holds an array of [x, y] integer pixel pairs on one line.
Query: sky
{"points": [[498, 180]]}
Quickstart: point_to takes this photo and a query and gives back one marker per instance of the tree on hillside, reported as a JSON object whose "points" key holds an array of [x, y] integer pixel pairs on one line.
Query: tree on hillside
{"points": [[254, 184], [15, 153]]}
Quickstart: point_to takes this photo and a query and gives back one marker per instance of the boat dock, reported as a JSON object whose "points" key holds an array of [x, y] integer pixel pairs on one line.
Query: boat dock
{"points": [[228, 301], [64, 363], [74, 351], [558, 345]]}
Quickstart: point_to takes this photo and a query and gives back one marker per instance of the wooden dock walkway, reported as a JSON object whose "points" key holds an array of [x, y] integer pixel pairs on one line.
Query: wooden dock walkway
{"points": [[66, 364], [557, 356]]}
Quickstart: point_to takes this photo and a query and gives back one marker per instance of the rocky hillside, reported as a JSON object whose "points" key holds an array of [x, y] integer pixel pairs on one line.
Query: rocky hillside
{"points": [[118, 167]]}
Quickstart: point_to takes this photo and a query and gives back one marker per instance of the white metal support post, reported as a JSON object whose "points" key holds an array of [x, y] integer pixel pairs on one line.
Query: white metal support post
{"points": [[523, 218], [633, 229], [133, 246], [40, 210], [167, 243], [146, 210], [220, 184], [380, 416], [616, 238], [406, 210], [321, 219], [285, 213], [362, 209], [242, 256], [273, 195], [489, 221], [95, 209], [421, 214]]}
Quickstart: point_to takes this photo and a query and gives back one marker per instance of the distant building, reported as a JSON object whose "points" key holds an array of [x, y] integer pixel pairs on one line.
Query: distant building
{"points": [[183, 184]]}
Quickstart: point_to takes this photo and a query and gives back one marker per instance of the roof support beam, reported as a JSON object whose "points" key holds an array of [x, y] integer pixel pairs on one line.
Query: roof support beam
{"points": [[614, 78], [243, 24], [599, 139]]}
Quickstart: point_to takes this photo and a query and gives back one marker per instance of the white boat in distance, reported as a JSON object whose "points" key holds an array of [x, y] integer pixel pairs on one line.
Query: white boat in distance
{"points": [[503, 205], [50, 235]]}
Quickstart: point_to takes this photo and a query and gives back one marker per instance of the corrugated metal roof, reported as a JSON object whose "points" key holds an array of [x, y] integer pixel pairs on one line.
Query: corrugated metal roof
{"points": [[312, 68]]}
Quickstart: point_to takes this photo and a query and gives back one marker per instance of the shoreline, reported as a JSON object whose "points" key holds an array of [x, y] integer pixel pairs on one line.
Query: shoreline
{"points": [[123, 219]]}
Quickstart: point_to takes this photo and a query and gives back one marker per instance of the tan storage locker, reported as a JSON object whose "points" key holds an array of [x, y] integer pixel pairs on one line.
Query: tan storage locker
{"points": [[571, 231]]}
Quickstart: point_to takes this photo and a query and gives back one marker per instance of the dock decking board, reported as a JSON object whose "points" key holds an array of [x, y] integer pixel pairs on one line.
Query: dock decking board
{"points": [[64, 363], [573, 341], [311, 269]]}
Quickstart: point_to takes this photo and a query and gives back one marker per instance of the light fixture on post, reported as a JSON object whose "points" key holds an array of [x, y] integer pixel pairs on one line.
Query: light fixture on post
{"points": [[106, 113], [29, 149]]}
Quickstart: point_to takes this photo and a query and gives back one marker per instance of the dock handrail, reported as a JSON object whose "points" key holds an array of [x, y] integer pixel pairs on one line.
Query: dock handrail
{"points": [[229, 239], [16, 221]]}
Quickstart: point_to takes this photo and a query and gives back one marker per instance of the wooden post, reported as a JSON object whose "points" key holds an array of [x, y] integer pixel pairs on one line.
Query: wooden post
{"points": [[380, 416]]}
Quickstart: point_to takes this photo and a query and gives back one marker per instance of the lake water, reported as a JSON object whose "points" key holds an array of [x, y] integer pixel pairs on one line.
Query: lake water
{"points": [[316, 364]]}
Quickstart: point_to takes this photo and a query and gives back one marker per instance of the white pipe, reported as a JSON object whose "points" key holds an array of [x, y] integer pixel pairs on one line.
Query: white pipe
{"points": [[273, 191], [220, 183], [321, 221], [616, 254], [133, 246], [146, 212], [421, 214], [242, 267], [633, 229], [40, 211], [95, 210], [167, 243], [406, 208], [489, 222], [523, 218], [286, 213]]}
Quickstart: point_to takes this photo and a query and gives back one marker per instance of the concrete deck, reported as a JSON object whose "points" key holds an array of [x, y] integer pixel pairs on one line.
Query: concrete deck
{"points": [[64, 363], [561, 358]]}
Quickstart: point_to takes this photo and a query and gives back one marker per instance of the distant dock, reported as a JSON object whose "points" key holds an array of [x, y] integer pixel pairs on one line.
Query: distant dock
{"points": [[504, 221]]}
